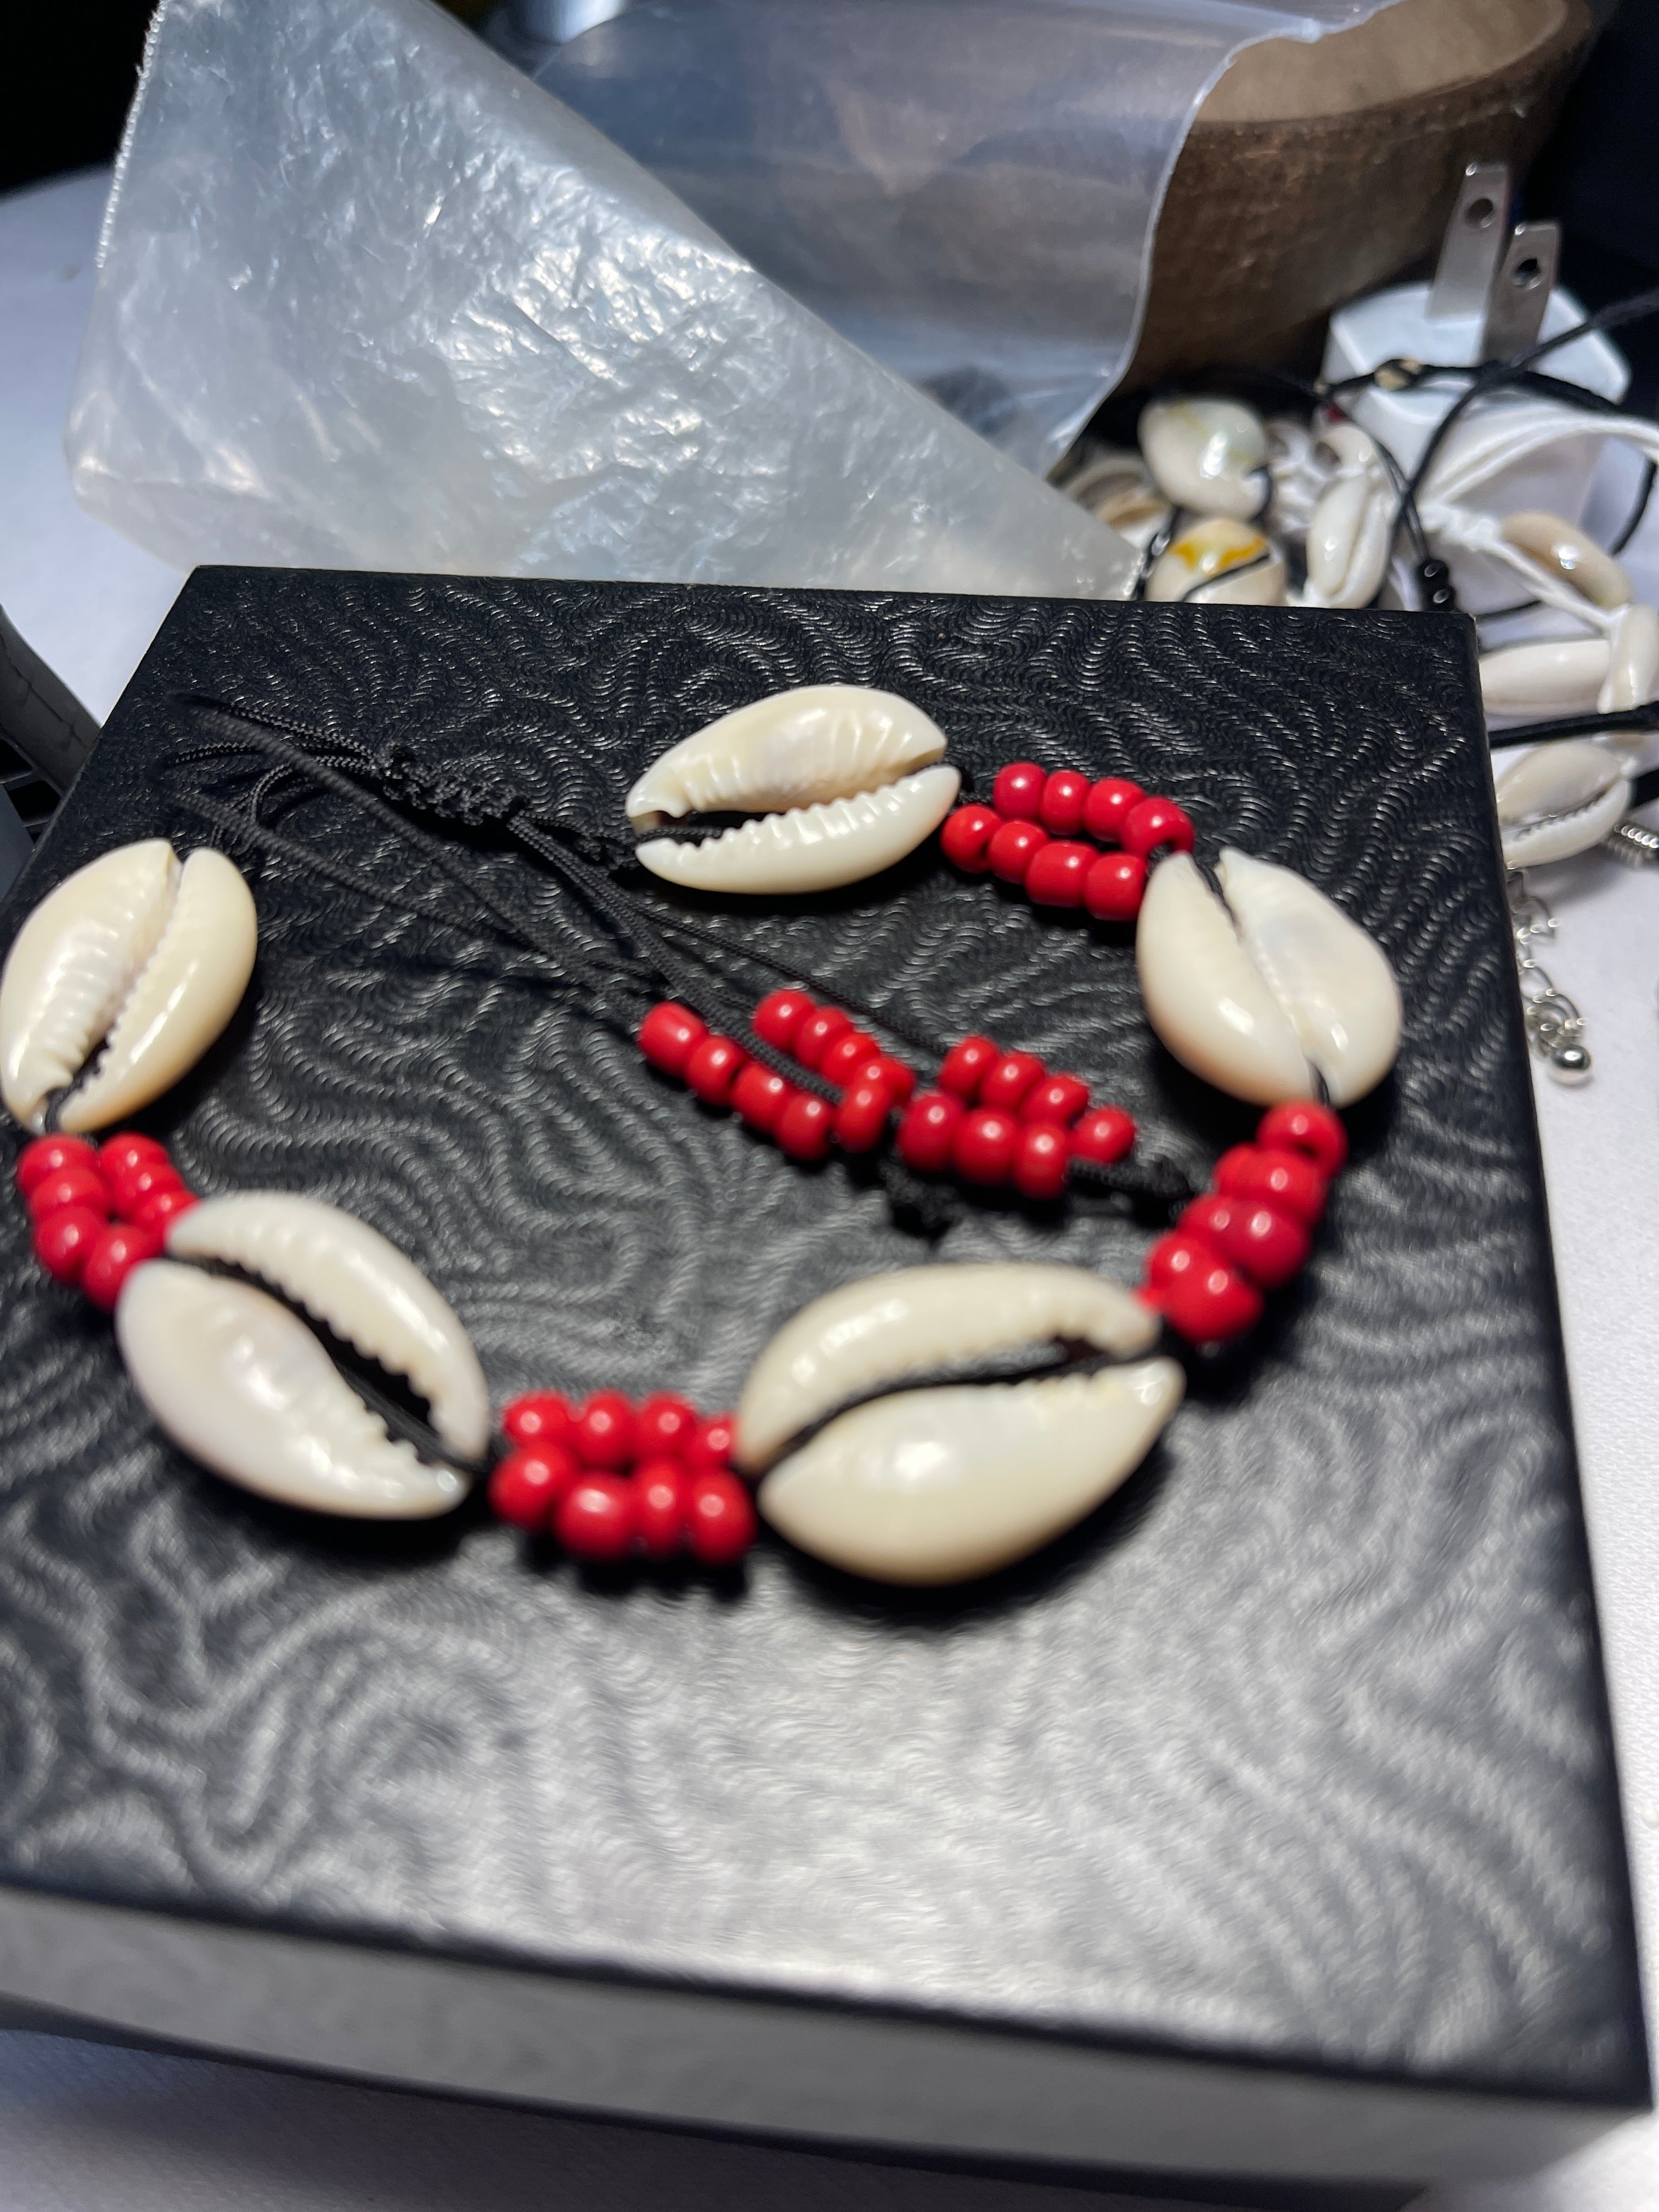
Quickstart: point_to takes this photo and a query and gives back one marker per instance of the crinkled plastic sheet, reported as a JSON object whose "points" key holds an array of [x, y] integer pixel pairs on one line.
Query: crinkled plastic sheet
{"points": [[966, 189], [367, 297]]}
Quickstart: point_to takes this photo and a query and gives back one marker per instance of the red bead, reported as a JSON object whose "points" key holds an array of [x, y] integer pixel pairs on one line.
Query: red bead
{"points": [[928, 1131], [529, 1483], [1269, 1246], [845, 1053], [861, 1120], [1289, 1181], [128, 1149], [1196, 1291], [664, 1425], [595, 1518], [1156, 822], [1015, 1075], [760, 1097], [1299, 1126], [984, 1148], [721, 1525], [780, 1014], [1103, 1135], [603, 1432], [803, 1130], [1057, 1098], [1040, 1160], [64, 1241], [1058, 873], [713, 1445], [112, 1258], [1014, 847], [965, 836], [74, 1186], [1065, 795], [130, 1187], [540, 1417], [967, 1064], [817, 1033], [155, 1210], [1017, 794], [712, 1069], [669, 1035], [1109, 804], [51, 1156], [1114, 886], [900, 1079], [662, 1499]]}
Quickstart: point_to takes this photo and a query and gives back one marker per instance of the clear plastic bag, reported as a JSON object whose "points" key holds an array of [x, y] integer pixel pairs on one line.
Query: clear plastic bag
{"points": [[367, 297], [965, 188]]}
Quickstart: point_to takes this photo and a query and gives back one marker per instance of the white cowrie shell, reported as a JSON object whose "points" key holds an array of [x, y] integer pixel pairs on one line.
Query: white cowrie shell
{"points": [[797, 748], [242, 1385], [350, 1277], [1559, 799], [1576, 559], [887, 1328], [131, 952], [1349, 535], [1210, 455], [812, 848], [1272, 999], [933, 1486], [1116, 487], [1560, 677], [1218, 560], [1633, 677]]}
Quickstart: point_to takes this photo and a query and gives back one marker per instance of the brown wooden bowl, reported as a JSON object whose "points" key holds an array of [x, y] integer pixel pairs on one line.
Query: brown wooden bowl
{"points": [[1316, 172]]}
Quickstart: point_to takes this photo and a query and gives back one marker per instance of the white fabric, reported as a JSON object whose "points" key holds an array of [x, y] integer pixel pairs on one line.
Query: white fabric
{"points": [[85, 2130]]}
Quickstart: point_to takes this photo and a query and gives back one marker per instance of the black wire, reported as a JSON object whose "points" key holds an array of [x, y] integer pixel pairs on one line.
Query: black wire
{"points": [[1643, 496], [1576, 725]]}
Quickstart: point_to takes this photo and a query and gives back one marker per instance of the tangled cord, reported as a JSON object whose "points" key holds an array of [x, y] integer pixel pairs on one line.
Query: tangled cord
{"points": [[662, 952]]}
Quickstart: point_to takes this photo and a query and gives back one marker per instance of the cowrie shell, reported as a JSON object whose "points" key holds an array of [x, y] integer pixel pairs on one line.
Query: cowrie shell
{"points": [[938, 1485], [1559, 799], [1209, 454], [841, 777], [136, 953], [812, 848], [1351, 530], [1271, 995], [241, 1382], [1216, 559], [1561, 677], [885, 1327], [1576, 559], [935, 1486], [1633, 677]]}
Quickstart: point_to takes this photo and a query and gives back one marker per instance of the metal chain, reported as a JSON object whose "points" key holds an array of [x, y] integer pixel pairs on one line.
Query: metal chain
{"points": [[1555, 1027]]}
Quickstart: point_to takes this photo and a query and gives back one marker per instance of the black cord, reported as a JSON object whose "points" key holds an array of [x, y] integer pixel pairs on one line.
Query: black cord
{"points": [[1576, 725]]}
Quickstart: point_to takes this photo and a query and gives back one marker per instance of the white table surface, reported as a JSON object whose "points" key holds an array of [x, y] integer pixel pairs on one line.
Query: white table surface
{"points": [[88, 2129]]}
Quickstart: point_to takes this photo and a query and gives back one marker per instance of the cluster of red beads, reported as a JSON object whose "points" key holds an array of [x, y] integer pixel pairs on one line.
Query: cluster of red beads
{"points": [[1252, 1230], [873, 1085], [1002, 1117], [608, 1478], [99, 1211], [1028, 834]]}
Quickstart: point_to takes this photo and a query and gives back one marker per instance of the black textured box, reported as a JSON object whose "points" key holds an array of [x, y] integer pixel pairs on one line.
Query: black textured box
{"points": [[1266, 1825]]}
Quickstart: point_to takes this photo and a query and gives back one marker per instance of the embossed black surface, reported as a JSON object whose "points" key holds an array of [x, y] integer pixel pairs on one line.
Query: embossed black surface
{"points": [[1297, 1750]]}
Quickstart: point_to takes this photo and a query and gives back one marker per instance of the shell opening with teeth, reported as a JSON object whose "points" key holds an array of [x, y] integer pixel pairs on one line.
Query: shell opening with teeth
{"points": [[843, 781], [1272, 995], [239, 1381], [134, 952], [938, 1485], [1559, 799]]}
